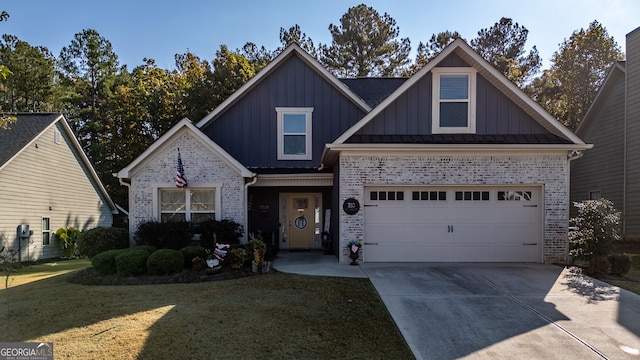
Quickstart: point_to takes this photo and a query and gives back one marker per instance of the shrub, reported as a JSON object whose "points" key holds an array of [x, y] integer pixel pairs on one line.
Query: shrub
{"points": [[95, 241], [148, 248], [227, 232], [191, 252], [67, 238], [198, 264], [235, 257], [598, 267], [165, 262], [256, 249], [620, 264], [595, 228], [132, 262], [105, 262], [170, 235]]}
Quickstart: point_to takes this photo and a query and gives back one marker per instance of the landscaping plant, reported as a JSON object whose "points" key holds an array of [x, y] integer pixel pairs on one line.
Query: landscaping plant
{"points": [[67, 238], [593, 232], [94, 241], [165, 262]]}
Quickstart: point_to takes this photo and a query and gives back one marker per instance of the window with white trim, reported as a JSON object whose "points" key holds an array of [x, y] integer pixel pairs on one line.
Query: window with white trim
{"points": [[454, 100], [294, 133], [194, 205], [46, 231]]}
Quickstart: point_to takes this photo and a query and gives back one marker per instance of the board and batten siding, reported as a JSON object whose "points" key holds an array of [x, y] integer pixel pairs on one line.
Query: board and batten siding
{"points": [[602, 168], [632, 204], [47, 180], [410, 113], [248, 129]]}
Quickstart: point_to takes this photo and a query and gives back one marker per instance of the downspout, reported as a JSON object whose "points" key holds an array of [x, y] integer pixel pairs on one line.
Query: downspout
{"points": [[624, 156], [246, 207]]}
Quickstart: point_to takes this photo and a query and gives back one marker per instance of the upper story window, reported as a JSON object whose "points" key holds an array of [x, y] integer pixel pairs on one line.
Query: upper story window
{"points": [[454, 100], [294, 133]]}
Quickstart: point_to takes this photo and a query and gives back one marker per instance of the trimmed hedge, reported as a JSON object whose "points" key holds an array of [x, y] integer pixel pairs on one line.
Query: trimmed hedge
{"points": [[148, 248], [192, 252], [105, 262], [132, 262], [620, 264], [165, 262], [170, 235], [94, 241]]}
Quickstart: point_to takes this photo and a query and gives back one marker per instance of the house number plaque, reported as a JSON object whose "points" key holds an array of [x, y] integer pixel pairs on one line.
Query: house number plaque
{"points": [[351, 206]]}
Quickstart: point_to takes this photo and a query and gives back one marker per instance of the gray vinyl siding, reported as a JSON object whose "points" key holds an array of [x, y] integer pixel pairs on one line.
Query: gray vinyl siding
{"points": [[248, 129], [602, 168], [48, 181], [410, 113], [632, 213]]}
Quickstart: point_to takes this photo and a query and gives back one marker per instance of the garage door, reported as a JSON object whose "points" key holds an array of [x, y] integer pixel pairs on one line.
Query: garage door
{"points": [[452, 224]]}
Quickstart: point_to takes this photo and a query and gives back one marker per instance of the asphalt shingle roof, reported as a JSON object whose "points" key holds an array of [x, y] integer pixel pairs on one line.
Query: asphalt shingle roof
{"points": [[373, 90], [26, 128]]}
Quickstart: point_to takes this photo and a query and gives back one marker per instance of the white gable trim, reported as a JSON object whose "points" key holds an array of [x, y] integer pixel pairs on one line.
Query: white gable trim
{"points": [[188, 125], [273, 65], [488, 71]]}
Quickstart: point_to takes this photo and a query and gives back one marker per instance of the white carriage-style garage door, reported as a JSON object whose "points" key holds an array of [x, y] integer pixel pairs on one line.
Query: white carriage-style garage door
{"points": [[453, 224]]}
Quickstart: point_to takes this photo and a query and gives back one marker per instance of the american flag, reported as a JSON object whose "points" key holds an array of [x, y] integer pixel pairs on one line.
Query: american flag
{"points": [[181, 180]]}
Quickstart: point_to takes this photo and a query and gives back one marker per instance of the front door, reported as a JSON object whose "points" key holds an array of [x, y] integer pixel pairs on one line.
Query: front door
{"points": [[302, 220]]}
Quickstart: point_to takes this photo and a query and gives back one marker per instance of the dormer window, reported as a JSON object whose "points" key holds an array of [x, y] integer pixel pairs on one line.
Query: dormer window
{"points": [[294, 133], [454, 99]]}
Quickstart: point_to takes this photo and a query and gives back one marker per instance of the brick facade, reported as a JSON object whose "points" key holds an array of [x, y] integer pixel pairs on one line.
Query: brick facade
{"points": [[203, 168], [551, 171]]}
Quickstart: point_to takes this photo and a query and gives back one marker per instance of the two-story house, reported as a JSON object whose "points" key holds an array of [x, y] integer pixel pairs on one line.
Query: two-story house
{"points": [[455, 163]]}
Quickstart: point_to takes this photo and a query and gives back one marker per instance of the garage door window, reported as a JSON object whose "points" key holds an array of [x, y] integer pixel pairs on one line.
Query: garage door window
{"points": [[429, 195], [386, 195], [514, 195], [472, 196]]}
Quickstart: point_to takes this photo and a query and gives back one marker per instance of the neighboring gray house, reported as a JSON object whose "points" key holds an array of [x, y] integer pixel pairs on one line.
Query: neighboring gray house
{"points": [[455, 163], [611, 170], [46, 182]]}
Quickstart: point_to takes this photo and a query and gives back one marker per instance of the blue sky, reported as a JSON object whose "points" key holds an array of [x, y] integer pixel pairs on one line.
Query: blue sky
{"points": [[159, 29]]}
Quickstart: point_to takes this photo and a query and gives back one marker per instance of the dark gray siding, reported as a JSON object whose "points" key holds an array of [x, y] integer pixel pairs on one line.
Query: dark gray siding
{"points": [[410, 113], [601, 168], [248, 129], [632, 213]]}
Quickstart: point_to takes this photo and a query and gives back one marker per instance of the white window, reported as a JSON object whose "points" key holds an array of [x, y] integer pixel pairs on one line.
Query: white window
{"points": [[46, 231], [194, 205], [294, 133], [454, 100]]}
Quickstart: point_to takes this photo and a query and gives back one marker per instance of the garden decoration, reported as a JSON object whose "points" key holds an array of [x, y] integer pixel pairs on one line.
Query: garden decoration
{"points": [[354, 248]]}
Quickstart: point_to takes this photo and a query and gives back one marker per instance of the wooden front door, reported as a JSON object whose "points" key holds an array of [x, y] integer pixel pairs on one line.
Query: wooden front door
{"points": [[302, 222]]}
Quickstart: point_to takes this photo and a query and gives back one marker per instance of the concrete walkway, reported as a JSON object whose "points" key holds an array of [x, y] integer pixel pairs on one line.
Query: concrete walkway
{"points": [[495, 311]]}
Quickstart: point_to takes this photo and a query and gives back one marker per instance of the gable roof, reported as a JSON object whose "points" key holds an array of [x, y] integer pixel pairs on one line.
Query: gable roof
{"points": [[374, 90], [28, 127], [185, 124], [618, 67], [497, 79], [291, 50]]}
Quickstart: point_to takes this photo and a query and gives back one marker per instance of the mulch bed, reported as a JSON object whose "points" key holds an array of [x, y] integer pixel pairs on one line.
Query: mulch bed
{"points": [[90, 276]]}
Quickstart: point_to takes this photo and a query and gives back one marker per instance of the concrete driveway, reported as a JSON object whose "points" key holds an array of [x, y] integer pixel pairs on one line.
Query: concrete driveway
{"points": [[507, 311]]}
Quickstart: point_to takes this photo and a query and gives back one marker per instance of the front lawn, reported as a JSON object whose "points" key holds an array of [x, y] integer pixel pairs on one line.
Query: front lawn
{"points": [[276, 316]]}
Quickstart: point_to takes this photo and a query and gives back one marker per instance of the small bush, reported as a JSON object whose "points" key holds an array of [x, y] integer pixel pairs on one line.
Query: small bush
{"points": [[595, 228], [170, 235], [132, 262], [148, 248], [191, 252], [227, 232], [105, 262], [598, 267], [67, 238], [620, 264], [198, 264], [95, 241], [165, 262], [235, 257]]}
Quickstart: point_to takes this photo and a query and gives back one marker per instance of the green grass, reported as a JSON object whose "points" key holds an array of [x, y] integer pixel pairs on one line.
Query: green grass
{"points": [[277, 316]]}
